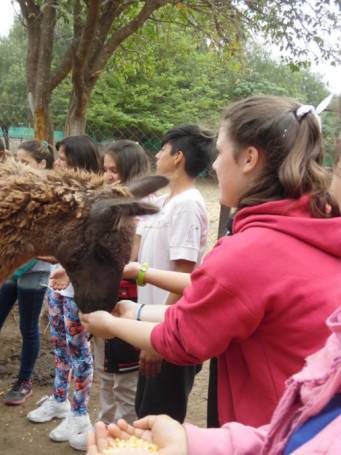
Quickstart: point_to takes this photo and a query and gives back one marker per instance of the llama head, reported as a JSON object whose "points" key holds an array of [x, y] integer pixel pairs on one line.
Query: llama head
{"points": [[72, 215], [102, 243]]}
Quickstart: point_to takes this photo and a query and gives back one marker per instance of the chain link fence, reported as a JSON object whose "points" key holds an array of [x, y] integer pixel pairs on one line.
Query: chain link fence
{"points": [[16, 126]]}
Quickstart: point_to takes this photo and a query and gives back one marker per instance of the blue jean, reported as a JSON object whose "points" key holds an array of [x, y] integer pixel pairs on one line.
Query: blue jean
{"points": [[30, 302]]}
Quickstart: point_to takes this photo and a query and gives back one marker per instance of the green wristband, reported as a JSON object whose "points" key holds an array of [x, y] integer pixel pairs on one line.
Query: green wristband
{"points": [[140, 274]]}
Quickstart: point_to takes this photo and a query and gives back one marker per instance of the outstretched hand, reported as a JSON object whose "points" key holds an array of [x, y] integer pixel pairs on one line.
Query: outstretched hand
{"points": [[125, 309], [100, 440], [59, 279], [99, 323], [167, 434], [131, 270], [163, 431]]}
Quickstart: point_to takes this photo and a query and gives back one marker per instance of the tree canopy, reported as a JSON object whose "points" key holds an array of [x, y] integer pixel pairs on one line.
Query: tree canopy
{"points": [[79, 37]]}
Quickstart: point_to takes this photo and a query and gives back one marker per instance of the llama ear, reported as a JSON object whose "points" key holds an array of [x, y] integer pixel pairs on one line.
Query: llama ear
{"points": [[108, 210], [147, 185]]}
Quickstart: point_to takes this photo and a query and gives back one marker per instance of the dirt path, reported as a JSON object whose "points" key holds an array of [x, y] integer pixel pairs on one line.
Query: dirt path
{"points": [[17, 435]]}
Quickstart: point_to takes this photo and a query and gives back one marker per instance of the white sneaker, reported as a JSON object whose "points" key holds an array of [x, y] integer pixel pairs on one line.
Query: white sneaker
{"points": [[80, 441], [49, 408], [71, 426]]}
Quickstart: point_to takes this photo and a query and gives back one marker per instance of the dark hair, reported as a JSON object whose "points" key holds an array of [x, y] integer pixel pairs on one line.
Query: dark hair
{"points": [[81, 153], [292, 147], [2, 145], [130, 158], [195, 143], [39, 151]]}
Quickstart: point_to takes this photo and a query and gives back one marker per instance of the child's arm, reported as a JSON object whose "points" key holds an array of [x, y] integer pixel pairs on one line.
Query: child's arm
{"points": [[184, 267], [105, 325], [174, 282], [130, 310]]}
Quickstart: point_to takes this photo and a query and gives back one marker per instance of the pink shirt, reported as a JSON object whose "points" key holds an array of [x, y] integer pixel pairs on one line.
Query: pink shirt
{"points": [[306, 395]]}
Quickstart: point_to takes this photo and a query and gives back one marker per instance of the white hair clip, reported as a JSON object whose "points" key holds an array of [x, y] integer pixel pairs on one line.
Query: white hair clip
{"points": [[305, 109]]}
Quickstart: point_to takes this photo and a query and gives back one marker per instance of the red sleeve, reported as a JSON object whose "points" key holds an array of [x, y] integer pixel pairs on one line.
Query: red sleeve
{"points": [[203, 323]]}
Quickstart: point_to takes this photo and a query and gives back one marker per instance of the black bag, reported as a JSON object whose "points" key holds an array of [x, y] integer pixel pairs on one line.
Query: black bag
{"points": [[121, 357]]}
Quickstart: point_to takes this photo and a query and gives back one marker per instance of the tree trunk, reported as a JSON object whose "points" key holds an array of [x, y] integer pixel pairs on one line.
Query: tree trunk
{"points": [[40, 23], [76, 118], [42, 125]]}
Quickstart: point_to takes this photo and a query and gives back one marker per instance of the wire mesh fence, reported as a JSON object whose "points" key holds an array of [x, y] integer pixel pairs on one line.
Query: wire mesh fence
{"points": [[16, 126]]}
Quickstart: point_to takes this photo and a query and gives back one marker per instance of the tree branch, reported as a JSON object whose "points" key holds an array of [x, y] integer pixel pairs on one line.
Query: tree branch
{"points": [[28, 9], [89, 30], [120, 35], [111, 11], [32, 15], [81, 52], [60, 73], [48, 23]]}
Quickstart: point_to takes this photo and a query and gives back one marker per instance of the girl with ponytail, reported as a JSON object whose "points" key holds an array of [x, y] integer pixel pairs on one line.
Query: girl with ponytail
{"points": [[259, 300]]}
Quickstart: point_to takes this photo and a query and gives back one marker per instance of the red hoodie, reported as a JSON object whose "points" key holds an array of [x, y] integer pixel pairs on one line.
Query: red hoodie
{"points": [[258, 302]]}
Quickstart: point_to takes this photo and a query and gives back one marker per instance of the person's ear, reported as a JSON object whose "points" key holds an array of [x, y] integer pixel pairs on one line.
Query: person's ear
{"points": [[178, 157], [251, 159]]}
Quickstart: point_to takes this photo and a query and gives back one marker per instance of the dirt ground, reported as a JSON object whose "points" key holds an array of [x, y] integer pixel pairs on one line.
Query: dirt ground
{"points": [[17, 435]]}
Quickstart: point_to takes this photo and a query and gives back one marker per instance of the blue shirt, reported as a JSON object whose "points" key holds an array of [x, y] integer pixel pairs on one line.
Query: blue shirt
{"points": [[314, 425]]}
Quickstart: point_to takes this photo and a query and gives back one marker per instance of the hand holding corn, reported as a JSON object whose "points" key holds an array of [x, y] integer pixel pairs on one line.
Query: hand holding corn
{"points": [[131, 445], [159, 435]]}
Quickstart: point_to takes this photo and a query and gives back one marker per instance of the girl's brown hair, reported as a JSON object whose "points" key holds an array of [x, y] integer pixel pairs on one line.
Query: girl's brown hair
{"points": [[81, 153], [39, 150], [292, 148], [130, 158]]}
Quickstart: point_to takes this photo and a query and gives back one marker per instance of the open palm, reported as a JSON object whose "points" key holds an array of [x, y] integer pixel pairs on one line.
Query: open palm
{"points": [[167, 434]]}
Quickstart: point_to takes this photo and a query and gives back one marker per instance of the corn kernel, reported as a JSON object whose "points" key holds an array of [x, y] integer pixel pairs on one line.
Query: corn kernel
{"points": [[132, 443]]}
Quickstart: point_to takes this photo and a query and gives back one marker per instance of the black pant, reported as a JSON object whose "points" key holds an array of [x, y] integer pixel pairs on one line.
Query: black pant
{"points": [[166, 393], [212, 401]]}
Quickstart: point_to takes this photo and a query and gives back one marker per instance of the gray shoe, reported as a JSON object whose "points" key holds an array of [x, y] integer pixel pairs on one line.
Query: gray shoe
{"points": [[20, 391]]}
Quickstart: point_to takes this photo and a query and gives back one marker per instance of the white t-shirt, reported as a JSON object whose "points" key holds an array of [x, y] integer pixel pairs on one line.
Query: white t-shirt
{"points": [[178, 231]]}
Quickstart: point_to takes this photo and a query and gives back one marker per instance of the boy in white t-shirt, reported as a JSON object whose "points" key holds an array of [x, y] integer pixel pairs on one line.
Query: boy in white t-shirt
{"points": [[173, 239]]}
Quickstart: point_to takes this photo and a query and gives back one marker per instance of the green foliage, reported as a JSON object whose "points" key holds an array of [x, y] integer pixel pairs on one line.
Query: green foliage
{"points": [[169, 82], [13, 105], [262, 75], [150, 86], [162, 76]]}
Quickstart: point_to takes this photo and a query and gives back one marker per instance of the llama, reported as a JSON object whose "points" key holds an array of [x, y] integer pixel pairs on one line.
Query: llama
{"points": [[72, 215]]}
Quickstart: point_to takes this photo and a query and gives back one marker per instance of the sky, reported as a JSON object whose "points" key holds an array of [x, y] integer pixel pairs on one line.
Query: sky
{"points": [[331, 75], [6, 16]]}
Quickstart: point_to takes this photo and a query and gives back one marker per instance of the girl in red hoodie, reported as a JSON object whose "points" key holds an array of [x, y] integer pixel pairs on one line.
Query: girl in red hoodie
{"points": [[261, 296]]}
